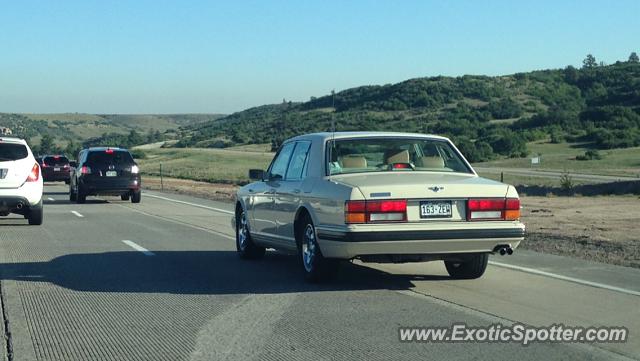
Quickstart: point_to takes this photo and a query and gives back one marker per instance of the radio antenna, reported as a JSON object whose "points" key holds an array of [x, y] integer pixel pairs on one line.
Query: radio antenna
{"points": [[333, 129]]}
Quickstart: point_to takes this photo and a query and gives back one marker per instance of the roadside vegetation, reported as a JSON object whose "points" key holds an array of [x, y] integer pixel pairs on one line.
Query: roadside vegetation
{"points": [[209, 165], [489, 118]]}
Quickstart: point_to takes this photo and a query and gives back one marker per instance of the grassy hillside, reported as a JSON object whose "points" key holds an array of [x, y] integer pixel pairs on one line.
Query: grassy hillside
{"points": [[80, 126], [67, 132], [211, 165], [489, 117], [565, 156]]}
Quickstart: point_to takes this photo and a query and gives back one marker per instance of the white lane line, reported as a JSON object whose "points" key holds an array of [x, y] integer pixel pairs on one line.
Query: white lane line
{"points": [[137, 247], [51, 199], [189, 204], [186, 224], [566, 278], [77, 214]]}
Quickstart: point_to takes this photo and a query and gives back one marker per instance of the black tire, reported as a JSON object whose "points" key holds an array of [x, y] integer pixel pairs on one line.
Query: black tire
{"points": [[315, 266], [36, 214], [472, 268], [81, 197], [245, 246], [72, 195], [124, 197], [136, 197]]}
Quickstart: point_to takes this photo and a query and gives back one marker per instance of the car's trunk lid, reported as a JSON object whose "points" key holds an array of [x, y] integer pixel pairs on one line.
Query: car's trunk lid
{"points": [[430, 189]]}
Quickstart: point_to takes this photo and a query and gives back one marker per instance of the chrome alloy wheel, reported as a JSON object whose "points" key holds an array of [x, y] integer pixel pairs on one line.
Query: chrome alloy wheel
{"points": [[243, 232], [309, 247]]}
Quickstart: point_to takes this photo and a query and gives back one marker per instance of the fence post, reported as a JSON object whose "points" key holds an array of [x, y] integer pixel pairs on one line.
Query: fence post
{"points": [[501, 177], [161, 180]]}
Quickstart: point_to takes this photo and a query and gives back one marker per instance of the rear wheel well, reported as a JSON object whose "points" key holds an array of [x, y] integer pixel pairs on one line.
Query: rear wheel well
{"points": [[238, 211], [298, 221]]}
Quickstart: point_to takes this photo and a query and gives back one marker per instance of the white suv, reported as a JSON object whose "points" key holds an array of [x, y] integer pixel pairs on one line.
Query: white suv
{"points": [[20, 181]]}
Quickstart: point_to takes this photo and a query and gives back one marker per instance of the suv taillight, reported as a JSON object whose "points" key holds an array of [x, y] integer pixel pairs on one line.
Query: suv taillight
{"points": [[493, 209], [85, 170], [35, 173], [394, 210]]}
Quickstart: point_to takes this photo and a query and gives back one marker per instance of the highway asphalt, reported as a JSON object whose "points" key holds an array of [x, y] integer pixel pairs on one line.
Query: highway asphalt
{"points": [[160, 280]]}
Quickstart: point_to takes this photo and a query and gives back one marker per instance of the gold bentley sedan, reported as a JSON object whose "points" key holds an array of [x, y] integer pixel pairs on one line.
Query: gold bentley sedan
{"points": [[377, 197]]}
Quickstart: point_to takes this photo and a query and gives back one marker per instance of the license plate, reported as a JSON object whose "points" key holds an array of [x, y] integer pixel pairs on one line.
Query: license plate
{"points": [[111, 173], [435, 209], [56, 169]]}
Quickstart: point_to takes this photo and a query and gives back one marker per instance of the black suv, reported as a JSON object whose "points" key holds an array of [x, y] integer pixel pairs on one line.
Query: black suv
{"points": [[105, 171]]}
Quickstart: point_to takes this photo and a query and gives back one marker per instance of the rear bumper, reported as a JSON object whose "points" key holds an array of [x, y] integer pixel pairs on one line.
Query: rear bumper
{"points": [[350, 244], [51, 176], [14, 204], [30, 193], [110, 187]]}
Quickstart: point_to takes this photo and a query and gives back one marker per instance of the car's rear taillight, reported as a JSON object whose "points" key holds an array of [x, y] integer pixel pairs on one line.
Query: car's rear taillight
{"points": [[66, 166], [375, 211], [85, 170], [34, 175], [493, 209]]}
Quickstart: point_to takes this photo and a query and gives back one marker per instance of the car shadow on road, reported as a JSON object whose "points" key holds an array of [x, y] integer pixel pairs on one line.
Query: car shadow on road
{"points": [[195, 272], [67, 201]]}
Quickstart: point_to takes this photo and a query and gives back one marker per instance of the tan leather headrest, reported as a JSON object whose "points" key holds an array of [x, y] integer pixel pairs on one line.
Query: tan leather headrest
{"points": [[400, 157], [430, 162], [354, 162]]}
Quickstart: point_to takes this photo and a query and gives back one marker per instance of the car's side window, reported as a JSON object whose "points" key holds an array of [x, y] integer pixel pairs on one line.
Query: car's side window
{"points": [[298, 161], [279, 165]]}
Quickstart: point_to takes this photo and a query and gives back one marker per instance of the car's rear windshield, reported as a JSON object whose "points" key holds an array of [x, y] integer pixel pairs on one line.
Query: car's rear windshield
{"points": [[115, 157], [361, 155], [55, 160], [12, 151]]}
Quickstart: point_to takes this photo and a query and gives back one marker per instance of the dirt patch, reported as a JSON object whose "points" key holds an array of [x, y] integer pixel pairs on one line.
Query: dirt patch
{"points": [[603, 228], [214, 191]]}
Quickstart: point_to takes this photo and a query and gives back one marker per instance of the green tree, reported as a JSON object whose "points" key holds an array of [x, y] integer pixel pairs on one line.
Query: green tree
{"points": [[72, 149], [47, 144], [589, 62], [633, 58]]}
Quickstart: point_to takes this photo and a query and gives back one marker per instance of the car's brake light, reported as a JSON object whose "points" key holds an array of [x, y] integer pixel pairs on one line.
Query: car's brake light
{"points": [[375, 211], [66, 166], [85, 170], [493, 209], [109, 151], [34, 175]]}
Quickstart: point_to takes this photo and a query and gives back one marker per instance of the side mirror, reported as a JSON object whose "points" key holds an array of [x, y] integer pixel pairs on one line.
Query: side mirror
{"points": [[73, 164], [256, 174]]}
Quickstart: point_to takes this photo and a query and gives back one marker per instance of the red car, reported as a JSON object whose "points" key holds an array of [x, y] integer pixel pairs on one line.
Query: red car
{"points": [[55, 168]]}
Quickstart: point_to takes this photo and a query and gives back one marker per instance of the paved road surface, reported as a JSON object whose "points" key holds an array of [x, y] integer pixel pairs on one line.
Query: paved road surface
{"points": [[109, 280], [595, 178]]}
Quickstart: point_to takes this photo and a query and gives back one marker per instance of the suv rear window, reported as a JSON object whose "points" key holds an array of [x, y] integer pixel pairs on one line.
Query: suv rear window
{"points": [[55, 160], [117, 157], [11, 151]]}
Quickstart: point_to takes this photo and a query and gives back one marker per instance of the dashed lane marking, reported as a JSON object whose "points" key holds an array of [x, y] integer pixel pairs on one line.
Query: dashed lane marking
{"points": [[137, 247]]}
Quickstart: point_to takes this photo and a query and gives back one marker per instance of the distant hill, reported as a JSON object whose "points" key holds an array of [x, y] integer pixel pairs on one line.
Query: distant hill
{"points": [[80, 127], [486, 116]]}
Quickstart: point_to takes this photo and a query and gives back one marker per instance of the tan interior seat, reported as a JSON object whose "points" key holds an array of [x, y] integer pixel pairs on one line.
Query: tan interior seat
{"points": [[354, 161], [430, 162], [399, 157]]}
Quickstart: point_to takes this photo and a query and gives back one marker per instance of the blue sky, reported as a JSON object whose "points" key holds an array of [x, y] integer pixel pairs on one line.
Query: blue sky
{"points": [[208, 56]]}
